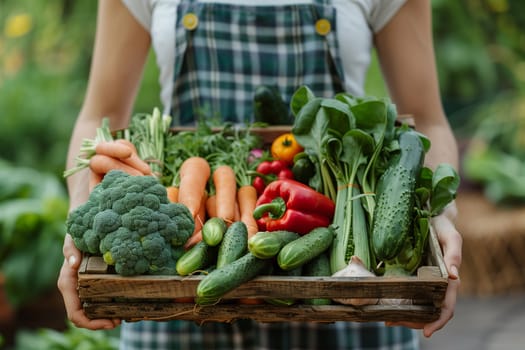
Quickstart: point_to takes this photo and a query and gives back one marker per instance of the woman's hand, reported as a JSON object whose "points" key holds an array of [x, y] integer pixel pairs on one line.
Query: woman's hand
{"points": [[451, 243], [67, 284]]}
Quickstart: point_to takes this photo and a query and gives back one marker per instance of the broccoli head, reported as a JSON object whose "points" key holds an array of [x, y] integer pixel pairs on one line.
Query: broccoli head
{"points": [[80, 226], [133, 254], [131, 223]]}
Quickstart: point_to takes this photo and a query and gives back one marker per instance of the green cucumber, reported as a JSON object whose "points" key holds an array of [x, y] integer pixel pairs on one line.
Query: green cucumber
{"points": [[265, 245], [305, 248], [395, 198], [269, 106], [318, 267], [198, 257], [234, 244], [228, 277], [213, 231]]}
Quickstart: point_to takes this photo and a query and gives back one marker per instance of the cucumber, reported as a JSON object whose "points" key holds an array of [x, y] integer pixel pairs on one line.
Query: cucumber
{"points": [[305, 248], [198, 257], [392, 220], [265, 245], [213, 231], [318, 267], [234, 244], [228, 277], [269, 106]]}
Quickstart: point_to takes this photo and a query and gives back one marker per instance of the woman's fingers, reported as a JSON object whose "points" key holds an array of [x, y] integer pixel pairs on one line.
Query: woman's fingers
{"points": [[451, 244], [67, 284]]}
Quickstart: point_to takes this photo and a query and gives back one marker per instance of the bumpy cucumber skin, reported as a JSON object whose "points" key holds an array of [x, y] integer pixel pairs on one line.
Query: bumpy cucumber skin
{"points": [[305, 248], [222, 280], [395, 199], [265, 245], [234, 244]]}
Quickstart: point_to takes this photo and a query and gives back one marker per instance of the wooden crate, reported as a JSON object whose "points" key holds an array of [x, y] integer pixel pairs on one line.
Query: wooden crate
{"points": [[107, 295]]}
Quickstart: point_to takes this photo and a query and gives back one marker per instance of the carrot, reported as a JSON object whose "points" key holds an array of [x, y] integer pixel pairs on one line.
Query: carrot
{"points": [[173, 193], [194, 239], [201, 215], [194, 173], [113, 149], [102, 164], [211, 206], [237, 215], [136, 162], [247, 198], [251, 301], [225, 184], [200, 218], [94, 179], [134, 159]]}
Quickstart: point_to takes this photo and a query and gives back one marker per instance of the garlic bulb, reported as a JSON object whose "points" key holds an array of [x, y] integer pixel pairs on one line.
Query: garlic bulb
{"points": [[355, 268]]}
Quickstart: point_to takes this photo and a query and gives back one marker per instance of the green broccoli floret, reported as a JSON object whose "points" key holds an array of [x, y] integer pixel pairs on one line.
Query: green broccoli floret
{"points": [[126, 254], [131, 223], [80, 223], [181, 224]]}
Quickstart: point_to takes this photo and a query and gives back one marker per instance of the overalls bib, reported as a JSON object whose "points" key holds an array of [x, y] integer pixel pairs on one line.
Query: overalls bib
{"points": [[223, 52]]}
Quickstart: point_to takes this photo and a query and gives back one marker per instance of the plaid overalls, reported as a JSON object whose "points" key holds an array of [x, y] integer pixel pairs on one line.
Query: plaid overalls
{"points": [[223, 52]]}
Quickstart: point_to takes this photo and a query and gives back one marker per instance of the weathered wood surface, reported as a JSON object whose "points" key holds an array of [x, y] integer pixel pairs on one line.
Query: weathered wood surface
{"points": [[166, 287], [135, 311]]}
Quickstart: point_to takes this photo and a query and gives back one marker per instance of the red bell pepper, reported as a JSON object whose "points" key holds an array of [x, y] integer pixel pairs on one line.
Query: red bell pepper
{"points": [[271, 170], [289, 205]]}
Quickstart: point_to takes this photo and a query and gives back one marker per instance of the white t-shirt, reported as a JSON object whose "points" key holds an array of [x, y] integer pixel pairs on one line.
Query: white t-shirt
{"points": [[357, 21]]}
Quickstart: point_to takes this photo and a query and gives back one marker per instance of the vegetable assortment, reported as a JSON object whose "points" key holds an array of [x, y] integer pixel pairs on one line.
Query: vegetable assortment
{"points": [[347, 184]]}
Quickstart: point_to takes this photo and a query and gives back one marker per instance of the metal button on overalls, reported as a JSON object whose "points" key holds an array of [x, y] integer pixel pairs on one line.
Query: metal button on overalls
{"points": [[190, 21], [323, 26]]}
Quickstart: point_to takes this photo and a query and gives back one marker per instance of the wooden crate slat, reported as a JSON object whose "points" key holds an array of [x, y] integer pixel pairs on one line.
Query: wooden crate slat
{"points": [[166, 287], [262, 313]]}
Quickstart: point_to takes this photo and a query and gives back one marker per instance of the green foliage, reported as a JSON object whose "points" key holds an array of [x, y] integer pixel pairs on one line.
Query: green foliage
{"points": [[33, 208], [495, 155], [479, 49], [71, 338]]}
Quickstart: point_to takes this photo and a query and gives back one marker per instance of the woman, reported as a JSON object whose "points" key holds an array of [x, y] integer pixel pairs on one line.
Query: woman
{"points": [[211, 55]]}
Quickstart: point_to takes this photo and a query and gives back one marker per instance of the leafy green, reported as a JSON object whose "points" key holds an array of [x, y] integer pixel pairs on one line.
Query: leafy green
{"points": [[351, 141], [33, 208], [344, 138], [71, 338]]}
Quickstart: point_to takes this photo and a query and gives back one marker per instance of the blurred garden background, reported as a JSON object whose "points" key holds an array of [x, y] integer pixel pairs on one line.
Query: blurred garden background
{"points": [[45, 53]]}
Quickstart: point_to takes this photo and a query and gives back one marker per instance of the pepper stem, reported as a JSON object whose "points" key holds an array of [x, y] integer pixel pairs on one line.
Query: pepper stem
{"points": [[275, 209]]}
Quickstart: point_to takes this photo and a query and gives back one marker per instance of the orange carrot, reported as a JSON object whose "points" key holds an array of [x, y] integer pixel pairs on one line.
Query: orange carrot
{"points": [[237, 215], [133, 159], [225, 191], [102, 164], [194, 239], [194, 173], [136, 162], [113, 149], [94, 179], [173, 193], [211, 206], [201, 214], [128, 143], [247, 198], [251, 301]]}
